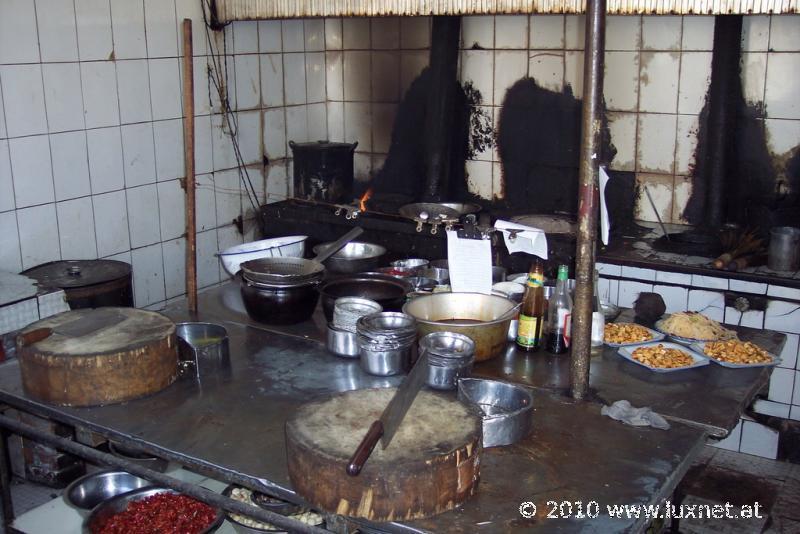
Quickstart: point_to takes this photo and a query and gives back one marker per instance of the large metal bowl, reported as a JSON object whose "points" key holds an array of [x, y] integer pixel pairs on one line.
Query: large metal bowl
{"points": [[355, 257], [119, 503], [507, 409], [482, 318], [86, 492]]}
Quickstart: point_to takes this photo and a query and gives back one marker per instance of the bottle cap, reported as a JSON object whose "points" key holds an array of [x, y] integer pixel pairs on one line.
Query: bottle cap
{"points": [[563, 272]]}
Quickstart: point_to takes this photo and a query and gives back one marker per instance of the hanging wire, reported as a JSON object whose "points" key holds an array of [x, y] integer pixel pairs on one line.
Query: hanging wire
{"points": [[218, 77]]}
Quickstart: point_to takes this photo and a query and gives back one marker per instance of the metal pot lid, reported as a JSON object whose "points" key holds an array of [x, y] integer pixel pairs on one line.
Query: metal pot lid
{"points": [[78, 273], [429, 212]]}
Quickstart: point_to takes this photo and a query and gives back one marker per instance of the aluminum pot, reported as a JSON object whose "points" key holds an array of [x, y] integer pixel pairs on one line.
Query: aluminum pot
{"points": [[276, 304], [355, 257], [388, 291], [342, 342], [507, 409], [482, 318], [450, 357]]}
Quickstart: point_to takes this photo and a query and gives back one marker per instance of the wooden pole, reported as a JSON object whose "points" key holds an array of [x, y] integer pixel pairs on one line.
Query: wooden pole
{"points": [[189, 183]]}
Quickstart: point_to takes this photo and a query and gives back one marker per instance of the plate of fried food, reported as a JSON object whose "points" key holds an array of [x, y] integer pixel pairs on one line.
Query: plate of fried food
{"points": [[627, 334], [689, 328], [663, 357], [736, 354]]}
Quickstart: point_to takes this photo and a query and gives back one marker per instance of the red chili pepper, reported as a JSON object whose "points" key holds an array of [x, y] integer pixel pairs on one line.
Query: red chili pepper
{"points": [[163, 513]]}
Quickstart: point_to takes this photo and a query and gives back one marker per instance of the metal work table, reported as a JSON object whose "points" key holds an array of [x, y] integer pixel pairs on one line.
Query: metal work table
{"points": [[230, 424], [710, 397]]}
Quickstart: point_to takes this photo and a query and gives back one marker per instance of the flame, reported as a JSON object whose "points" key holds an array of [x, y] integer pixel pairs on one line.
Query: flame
{"points": [[362, 204]]}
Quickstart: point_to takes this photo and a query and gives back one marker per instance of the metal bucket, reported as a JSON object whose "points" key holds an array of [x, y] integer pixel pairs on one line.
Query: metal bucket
{"points": [[204, 344], [784, 249]]}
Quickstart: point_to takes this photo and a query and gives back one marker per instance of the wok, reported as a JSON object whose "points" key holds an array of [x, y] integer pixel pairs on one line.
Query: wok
{"points": [[354, 257], [388, 291]]}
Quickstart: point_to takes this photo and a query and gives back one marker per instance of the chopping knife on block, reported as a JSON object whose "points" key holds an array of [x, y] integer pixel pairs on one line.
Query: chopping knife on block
{"points": [[384, 429], [92, 321]]}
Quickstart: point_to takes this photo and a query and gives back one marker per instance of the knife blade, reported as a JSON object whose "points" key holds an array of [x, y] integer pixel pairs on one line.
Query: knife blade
{"points": [[392, 417]]}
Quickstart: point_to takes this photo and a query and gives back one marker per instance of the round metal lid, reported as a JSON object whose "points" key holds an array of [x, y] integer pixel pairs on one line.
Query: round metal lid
{"points": [[78, 273]]}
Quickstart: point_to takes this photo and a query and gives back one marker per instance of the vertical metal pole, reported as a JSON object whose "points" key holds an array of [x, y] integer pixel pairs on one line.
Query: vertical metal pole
{"points": [[588, 198], [5, 481], [189, 185]]}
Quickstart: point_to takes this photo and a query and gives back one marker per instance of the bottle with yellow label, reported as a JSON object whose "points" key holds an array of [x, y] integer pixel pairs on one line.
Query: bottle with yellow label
{"points": [[531, 314]]}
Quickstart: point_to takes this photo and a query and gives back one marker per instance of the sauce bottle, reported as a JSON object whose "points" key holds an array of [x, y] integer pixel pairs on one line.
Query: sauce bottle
{"points": [[531, 314], [559, 321]]}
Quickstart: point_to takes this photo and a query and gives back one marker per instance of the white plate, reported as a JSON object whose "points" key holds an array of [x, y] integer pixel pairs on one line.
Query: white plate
{"points": [[700, 349], [657, 336], [699, 361]]}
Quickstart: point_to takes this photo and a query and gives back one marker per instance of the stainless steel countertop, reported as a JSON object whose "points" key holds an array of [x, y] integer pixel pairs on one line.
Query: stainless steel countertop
{"points": [[231, 423]]}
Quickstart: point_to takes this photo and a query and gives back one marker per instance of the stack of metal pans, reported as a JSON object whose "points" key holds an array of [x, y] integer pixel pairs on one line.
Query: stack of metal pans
{"points": [[284, 272], [385, 341]]}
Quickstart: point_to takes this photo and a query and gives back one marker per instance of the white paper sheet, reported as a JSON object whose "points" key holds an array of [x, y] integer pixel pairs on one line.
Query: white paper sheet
{"points": [[470, 264], [529, 240], [604, 223]]}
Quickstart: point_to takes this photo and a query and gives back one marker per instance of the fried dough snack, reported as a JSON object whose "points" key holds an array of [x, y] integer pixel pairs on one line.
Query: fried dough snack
{"points": [[662, 357], [626, 333], [738, 352], [693, 325]]}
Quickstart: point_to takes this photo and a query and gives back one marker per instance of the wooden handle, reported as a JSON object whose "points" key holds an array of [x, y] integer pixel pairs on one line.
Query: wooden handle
{"points": [[34, 336], [364, 449]]}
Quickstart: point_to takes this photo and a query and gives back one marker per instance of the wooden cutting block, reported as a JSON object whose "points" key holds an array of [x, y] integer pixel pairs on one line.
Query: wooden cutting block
{"points": [[431, 465], [132, 356]]}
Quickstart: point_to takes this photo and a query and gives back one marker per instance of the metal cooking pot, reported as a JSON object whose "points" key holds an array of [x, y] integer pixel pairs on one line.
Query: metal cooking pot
{"points": [[354, 257], [482, 318], [388, 291], [277, 304]]}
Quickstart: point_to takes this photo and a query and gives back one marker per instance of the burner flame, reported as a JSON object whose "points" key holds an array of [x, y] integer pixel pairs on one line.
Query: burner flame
{"points": [[362, 204]]}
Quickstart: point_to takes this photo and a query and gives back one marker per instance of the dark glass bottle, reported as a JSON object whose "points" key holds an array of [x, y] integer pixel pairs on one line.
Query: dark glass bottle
{"points": [[531, 314], [559, 310]]}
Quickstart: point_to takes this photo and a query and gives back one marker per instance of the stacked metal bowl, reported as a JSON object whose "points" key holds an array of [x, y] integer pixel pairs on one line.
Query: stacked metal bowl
{"points": [[385, 341], [342, 328], [450, 357]]}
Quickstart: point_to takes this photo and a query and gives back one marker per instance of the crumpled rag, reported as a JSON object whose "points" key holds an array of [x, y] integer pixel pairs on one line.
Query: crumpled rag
{"points": [[623, 411]]}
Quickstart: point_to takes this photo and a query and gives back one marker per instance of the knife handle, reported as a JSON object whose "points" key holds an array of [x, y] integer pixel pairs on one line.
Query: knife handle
{"points": [[34, 336], [364, 448]]}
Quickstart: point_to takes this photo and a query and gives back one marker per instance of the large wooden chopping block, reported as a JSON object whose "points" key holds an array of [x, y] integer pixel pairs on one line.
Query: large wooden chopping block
{"points": [[431, 466], [132, 358]]}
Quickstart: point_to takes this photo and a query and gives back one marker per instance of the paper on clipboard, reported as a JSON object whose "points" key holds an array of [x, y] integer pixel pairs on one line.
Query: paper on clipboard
{"points": [[604, 222], [470, 264]]}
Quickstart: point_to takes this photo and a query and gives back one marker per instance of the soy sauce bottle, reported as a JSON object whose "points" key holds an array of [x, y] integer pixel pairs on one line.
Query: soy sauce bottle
{"points": [[531, 314], [559, 321]]}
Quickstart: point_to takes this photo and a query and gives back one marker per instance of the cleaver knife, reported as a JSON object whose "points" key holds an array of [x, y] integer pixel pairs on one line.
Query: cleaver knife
{"points": [[385, 428], [92, 321]]}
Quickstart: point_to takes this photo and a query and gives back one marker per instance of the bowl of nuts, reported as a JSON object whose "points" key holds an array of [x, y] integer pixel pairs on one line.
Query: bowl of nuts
{"points": [[736, 354], [663, 357], [626, 334]]}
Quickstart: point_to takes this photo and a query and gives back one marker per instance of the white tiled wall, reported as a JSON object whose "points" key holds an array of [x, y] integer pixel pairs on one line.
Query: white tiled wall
{"points": [[90, 124], [657, 71], [91, 135], [621, 285]]}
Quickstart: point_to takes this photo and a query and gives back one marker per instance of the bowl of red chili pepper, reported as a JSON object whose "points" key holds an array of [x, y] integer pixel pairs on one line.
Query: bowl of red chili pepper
{"points": [[153, 510]]}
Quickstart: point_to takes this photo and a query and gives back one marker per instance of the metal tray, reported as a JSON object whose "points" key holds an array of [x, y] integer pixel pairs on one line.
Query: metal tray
{"points": [[657, 336], [700, 349], [699, 361]]}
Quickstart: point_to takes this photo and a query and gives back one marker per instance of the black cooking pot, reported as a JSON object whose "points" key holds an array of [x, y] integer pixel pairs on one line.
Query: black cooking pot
{"points": [[278, 304], [388, 291]]}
